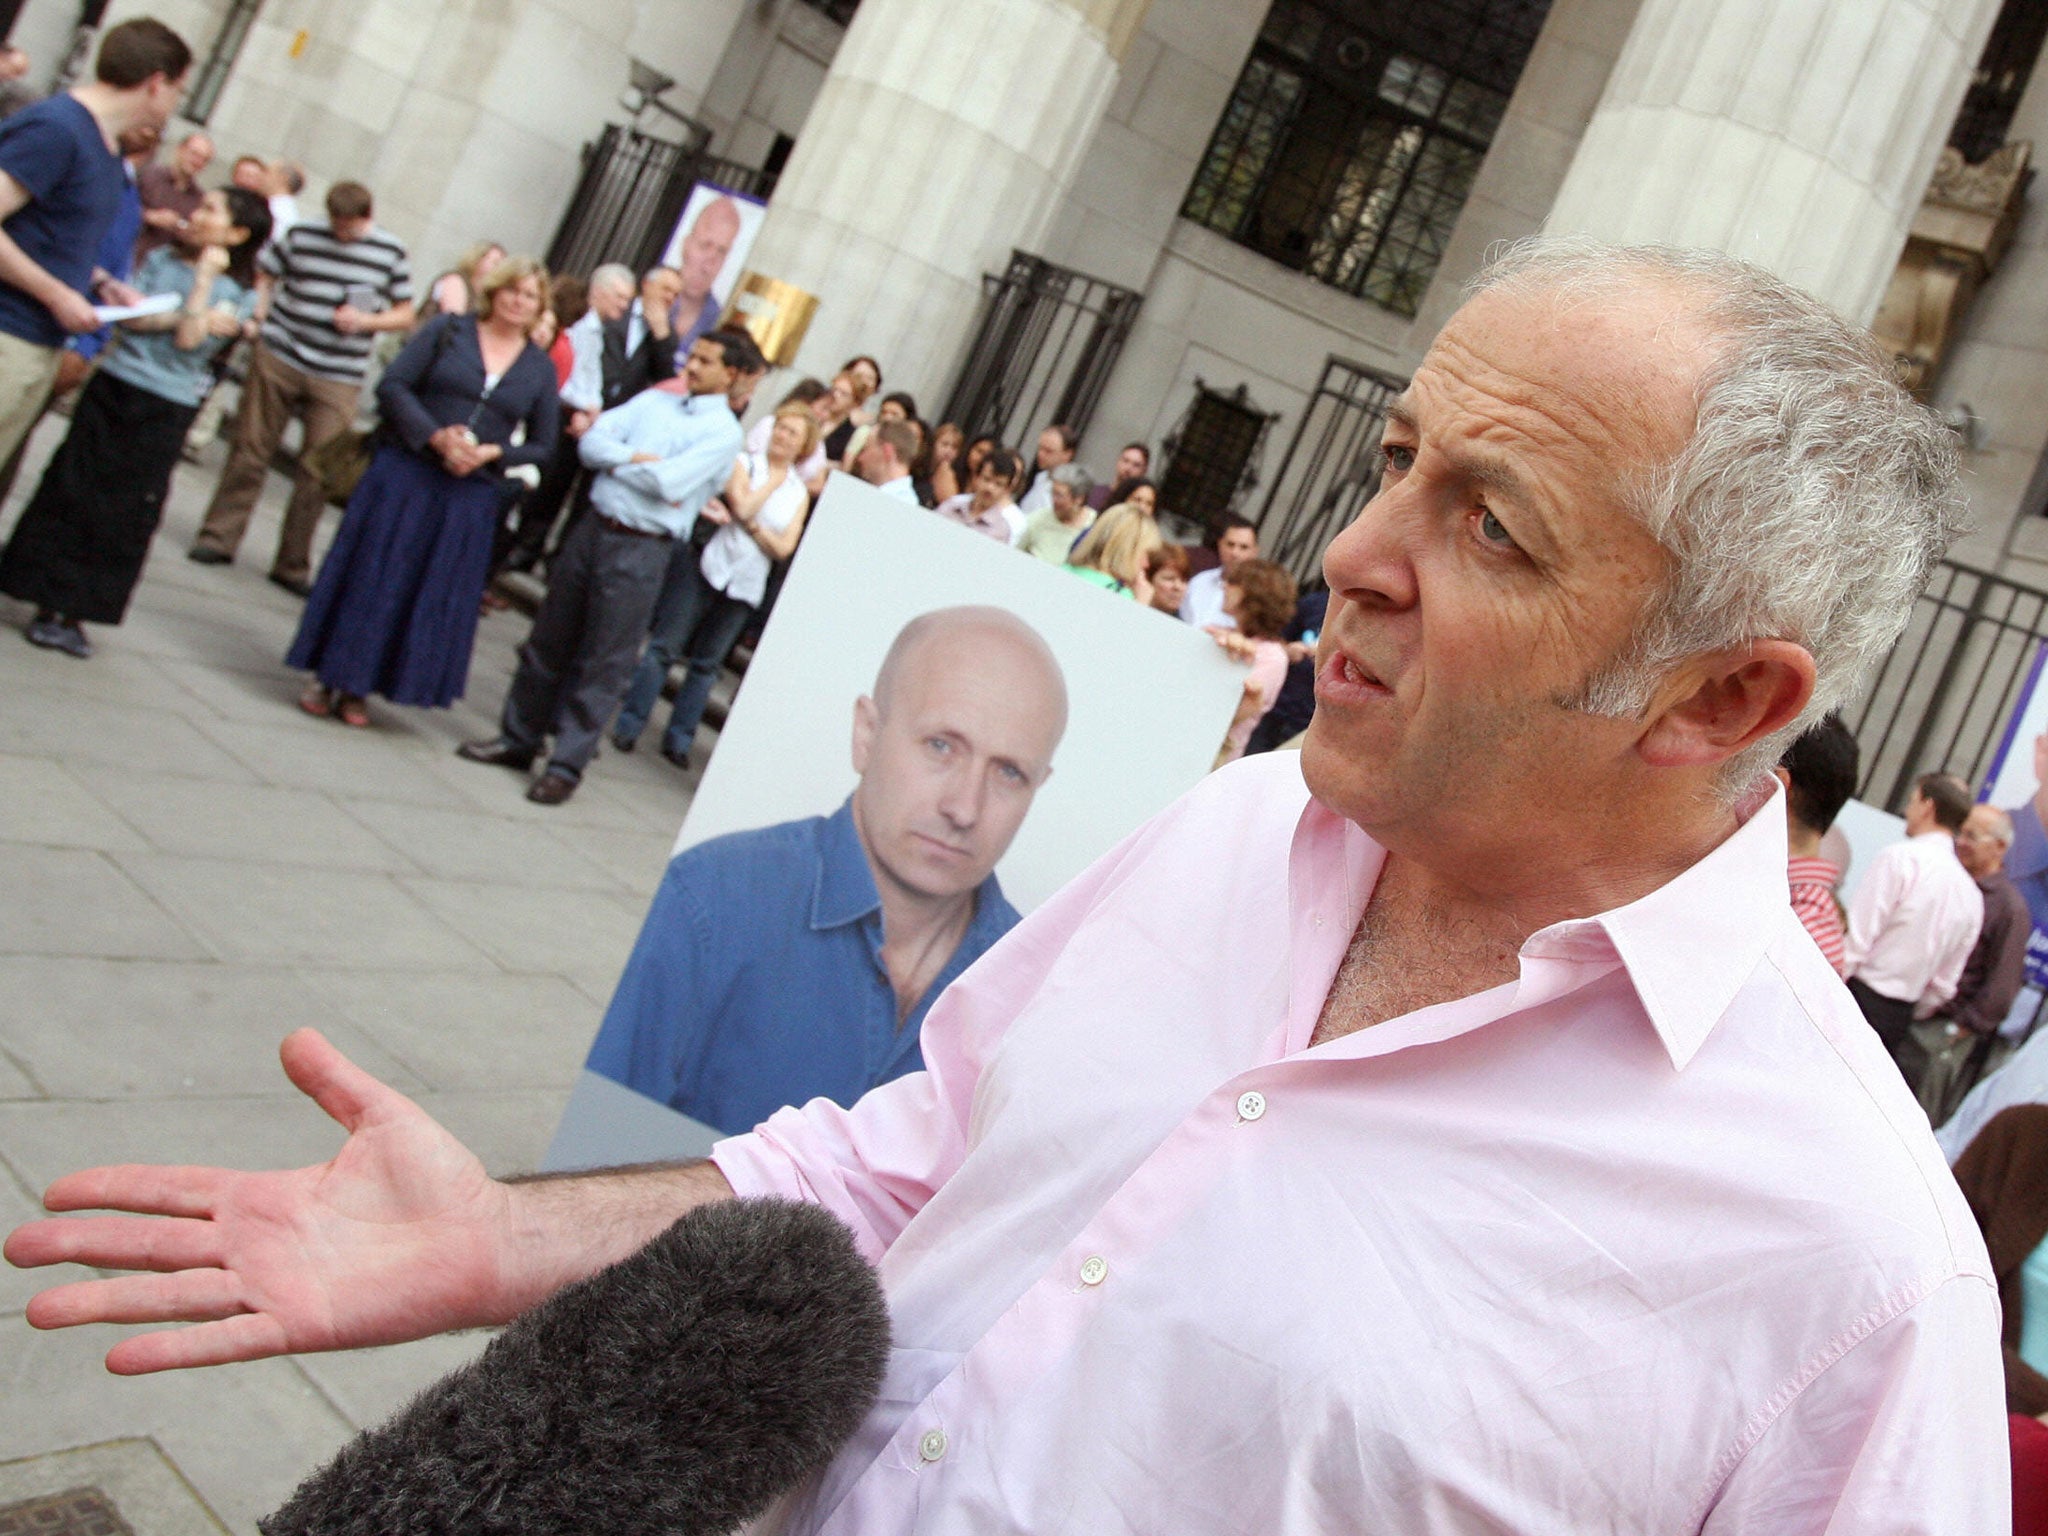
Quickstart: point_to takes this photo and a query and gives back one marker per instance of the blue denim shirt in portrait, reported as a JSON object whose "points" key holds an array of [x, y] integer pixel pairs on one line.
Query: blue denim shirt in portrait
{"points": [[757, 980]]}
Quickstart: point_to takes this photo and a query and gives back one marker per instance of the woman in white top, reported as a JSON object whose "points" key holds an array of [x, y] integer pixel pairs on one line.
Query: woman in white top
{"points": [[763, 516]]}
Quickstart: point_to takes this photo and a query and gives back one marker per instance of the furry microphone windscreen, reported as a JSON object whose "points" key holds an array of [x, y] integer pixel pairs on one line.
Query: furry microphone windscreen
{"points": [[679, 1391]]}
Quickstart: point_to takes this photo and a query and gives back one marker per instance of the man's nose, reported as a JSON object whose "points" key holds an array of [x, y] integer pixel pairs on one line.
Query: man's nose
{"points": [[1372, 560], [961, 796]]}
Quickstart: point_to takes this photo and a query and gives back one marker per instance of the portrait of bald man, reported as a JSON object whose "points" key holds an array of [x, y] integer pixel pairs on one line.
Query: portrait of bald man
{"points": [[797, 961], [707, 245]]}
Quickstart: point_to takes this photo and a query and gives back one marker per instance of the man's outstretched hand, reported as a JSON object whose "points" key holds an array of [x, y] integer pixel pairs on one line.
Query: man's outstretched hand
{"points": [[402, 1235]]}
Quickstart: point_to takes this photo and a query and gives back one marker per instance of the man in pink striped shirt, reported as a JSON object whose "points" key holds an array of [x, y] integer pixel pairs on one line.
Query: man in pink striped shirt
{"points": [[1449, 1130]]}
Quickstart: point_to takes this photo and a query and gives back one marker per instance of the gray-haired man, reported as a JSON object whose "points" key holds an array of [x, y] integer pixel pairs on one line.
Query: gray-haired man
{"points": [[1447, 1128]]}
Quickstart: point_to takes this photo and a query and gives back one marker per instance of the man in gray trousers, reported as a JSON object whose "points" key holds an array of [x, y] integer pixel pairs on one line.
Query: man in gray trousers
{"points": [[658, 458]]}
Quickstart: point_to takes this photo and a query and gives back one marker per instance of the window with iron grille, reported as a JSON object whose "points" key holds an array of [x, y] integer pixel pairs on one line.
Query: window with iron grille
{"points": [[840, 11], [1211, 454], [1355, 131]]}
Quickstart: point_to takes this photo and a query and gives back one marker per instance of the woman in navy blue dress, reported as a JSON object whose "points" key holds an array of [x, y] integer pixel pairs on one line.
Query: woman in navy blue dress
{"points": [[394, 611]]}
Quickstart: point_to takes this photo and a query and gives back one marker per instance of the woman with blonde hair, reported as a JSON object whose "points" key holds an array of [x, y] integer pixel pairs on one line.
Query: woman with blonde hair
{"points": [[394, 610], [459, 290], [706, 606], [1112, 554]]}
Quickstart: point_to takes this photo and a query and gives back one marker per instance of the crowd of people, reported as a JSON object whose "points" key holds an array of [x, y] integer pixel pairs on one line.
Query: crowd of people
{"points": [[524, 420]]}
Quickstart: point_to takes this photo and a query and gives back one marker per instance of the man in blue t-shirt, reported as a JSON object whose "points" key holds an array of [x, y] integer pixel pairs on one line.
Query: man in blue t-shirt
{"points": [[61, 185]]}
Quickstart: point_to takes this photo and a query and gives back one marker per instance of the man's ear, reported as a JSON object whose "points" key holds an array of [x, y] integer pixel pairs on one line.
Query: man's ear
{"points": [[866, 721], [1724, 701]]}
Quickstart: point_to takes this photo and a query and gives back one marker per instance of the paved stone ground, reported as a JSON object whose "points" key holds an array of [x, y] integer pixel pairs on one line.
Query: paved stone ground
{"points": [[190, 868]]}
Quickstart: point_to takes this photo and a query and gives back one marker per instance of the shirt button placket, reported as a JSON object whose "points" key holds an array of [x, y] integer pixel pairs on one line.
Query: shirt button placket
{"points": [[931, 1445], [1250, 1105], [1094, 1269]]}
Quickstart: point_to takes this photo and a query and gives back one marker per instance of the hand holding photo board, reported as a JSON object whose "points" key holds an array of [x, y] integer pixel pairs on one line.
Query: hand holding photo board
{"points": [[833, 874]]}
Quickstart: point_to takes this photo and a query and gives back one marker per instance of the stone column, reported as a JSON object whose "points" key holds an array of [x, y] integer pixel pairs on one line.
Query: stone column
{"points": [[945, 135], [1798, 134]]}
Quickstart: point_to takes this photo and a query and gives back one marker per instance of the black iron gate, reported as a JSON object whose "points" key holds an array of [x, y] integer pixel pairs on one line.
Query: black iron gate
{"points": [[1943, 696], [632, 192], [1212, 455], [1332, 466], [1042, 353]]}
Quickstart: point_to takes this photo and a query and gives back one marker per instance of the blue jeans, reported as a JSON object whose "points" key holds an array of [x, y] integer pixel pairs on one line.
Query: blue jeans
{"points": [[693, 620]]}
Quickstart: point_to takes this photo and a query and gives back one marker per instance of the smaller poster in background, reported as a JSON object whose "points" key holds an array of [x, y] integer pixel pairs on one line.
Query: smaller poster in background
{"points": [[1031, 721], [709, 248]]}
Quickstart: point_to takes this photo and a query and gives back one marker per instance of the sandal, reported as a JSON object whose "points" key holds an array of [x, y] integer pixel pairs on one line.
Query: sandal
{"points": [[316, 701], [350, 710]]}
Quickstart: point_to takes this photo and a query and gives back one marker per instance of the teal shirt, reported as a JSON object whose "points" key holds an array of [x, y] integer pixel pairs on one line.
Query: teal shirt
{"points": [[153, 360], [2034, 1309]]}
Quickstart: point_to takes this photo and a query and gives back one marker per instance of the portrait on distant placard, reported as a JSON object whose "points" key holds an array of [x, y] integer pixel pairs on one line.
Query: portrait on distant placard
{"points": [[898, 779], [709, 248]]}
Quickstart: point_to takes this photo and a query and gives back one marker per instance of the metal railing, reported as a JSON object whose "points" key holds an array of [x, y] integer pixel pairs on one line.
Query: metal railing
{"points": [[1332, 465], [1042, 352], [1943, 696], [628, 199]]}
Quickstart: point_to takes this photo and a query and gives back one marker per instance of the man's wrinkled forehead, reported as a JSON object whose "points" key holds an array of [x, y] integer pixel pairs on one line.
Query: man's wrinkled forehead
{"points": [[1616, 374]]}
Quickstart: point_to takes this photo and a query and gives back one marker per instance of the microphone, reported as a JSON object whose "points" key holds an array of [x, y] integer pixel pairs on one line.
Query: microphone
{"points": [[681, 1390]]}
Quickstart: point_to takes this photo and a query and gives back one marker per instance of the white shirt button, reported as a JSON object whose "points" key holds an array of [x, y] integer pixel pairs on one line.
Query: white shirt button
{"points": [[1094, 1269], [933, 1445], [1251, 1105]]}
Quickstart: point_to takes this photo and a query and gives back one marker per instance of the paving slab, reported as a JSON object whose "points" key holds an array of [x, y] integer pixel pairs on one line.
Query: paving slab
{"points": [[42, 802], [15, 1083], [508, 1131], [261, 823], [146, 1490], [464, 1031], [242, 1435], [267, 914], [73, 729], [47, 1139], [480, 846], [535, 928], [369, 1385], [340, 761], [636, 858], [19, 1203], [73, 901], [101, 1029], [261, 695]]}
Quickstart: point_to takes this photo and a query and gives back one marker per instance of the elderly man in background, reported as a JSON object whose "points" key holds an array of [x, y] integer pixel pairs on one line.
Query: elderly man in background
{"points": [[1050, 532], [1446, 1128], [1959, 1043], [799, 960], [171, 194], [1914, 917]]}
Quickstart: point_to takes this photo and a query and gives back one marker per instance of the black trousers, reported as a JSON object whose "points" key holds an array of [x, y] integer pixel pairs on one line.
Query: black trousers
{"points": [[1891, 1017], [79, 547], [575, 665]]}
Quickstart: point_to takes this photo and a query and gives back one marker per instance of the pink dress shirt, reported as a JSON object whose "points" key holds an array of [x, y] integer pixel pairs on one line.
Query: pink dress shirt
{"points": [[1913, 921], [1651, 1240]]}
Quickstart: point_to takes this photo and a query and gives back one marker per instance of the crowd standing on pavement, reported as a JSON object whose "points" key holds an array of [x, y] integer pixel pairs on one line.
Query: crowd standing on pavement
{"points": [[593, 428]]}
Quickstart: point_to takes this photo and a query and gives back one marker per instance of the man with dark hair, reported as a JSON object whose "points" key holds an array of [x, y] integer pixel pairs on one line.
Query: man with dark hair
{"points": [[323, 290], [62, 184], [1133, 462], [655, 460], [1056, 446], [886, 457], [1915, 915], [1819, 774], [984, 506], [1236, 540]]}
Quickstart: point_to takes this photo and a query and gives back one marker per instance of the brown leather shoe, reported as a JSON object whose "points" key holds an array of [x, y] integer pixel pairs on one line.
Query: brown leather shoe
{"points": [[495, 753], [551, 789]]}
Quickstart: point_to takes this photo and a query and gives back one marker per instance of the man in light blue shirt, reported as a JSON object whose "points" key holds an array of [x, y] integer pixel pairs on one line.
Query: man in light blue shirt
{"points": [[657, 459]]}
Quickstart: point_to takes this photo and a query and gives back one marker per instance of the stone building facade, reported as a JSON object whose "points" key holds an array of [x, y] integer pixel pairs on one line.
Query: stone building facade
{"points": [[934, 137]]}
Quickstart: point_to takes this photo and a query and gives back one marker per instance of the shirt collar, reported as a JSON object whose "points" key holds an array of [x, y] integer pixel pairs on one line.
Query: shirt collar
{"points": [[1689, 945], [845, 889], [845, 892]]}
